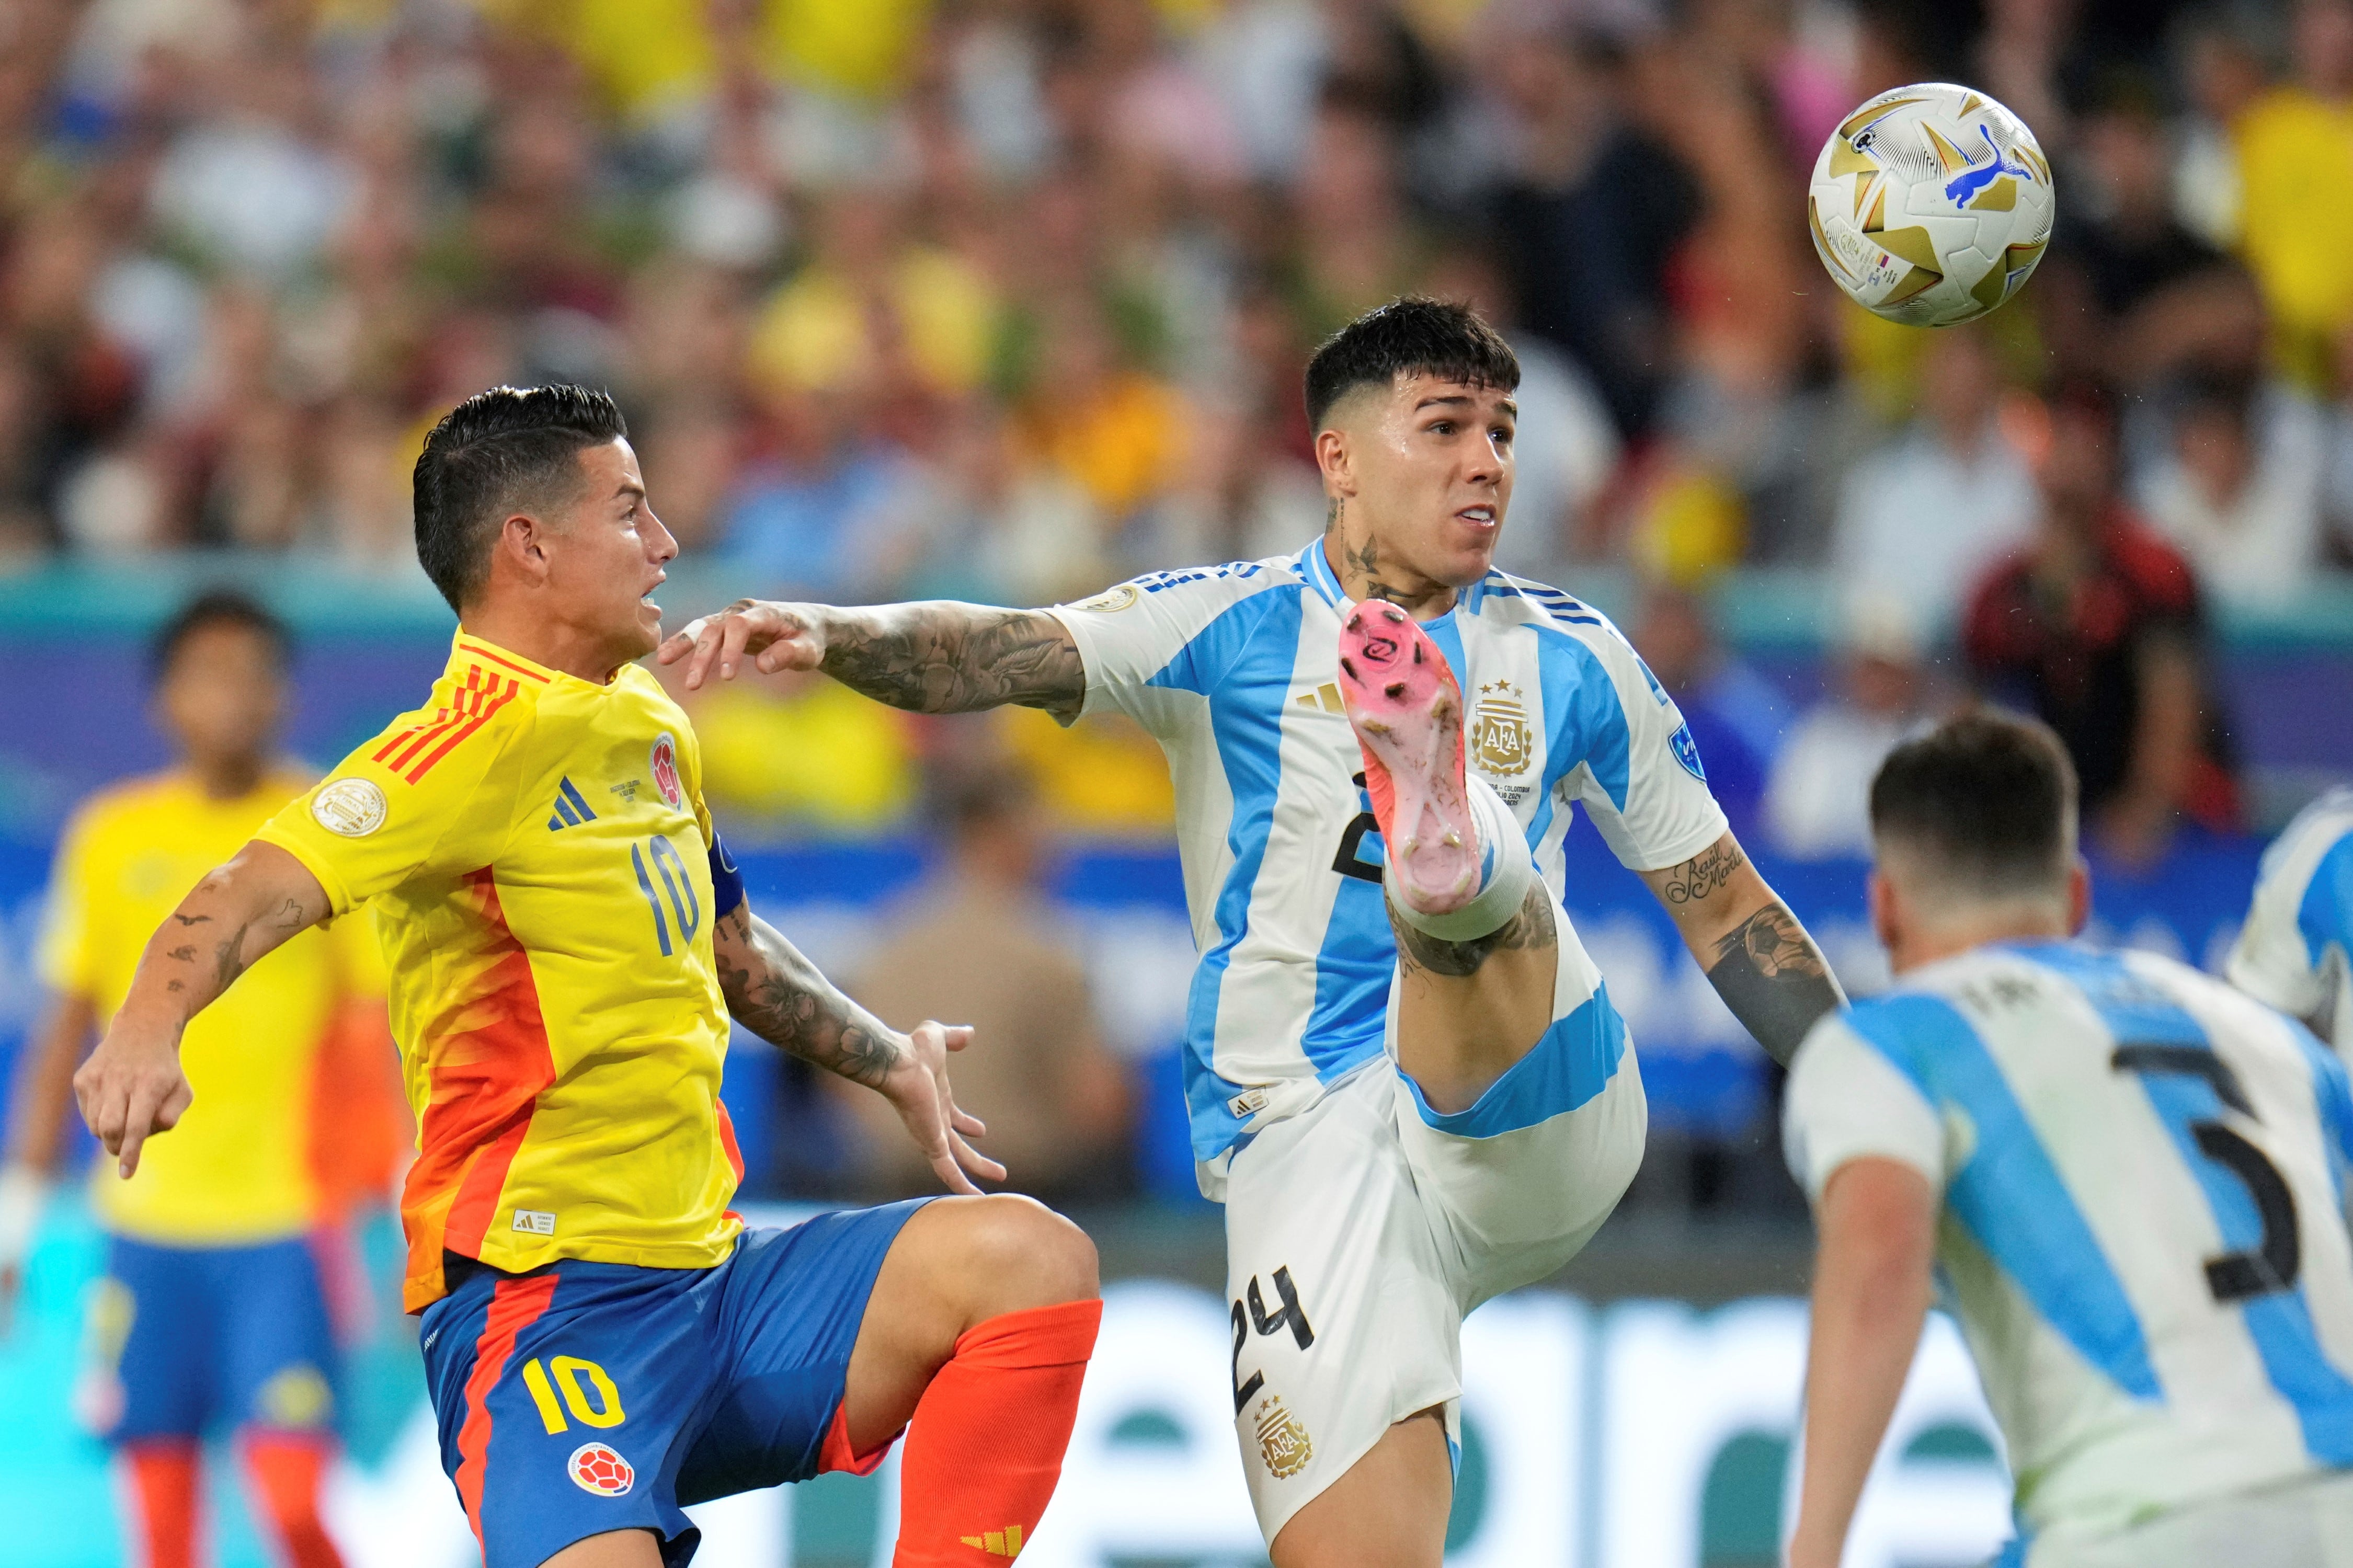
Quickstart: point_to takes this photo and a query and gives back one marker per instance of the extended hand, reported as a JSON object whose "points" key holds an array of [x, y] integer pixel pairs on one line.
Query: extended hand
{"points": [[777, 637], [131, 1087], [918, 1086]]}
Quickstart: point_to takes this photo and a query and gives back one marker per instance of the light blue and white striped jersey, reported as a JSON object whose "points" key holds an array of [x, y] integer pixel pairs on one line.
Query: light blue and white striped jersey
{"points": [[2295, 952], [1235, 670], [2142, 1233]]}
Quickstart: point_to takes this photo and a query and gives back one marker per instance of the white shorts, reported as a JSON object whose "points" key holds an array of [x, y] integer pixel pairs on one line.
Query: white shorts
{"points": [[2306, 1524], [1360, 1232]]}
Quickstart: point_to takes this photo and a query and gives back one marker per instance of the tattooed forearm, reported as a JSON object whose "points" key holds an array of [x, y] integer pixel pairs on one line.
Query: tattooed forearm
{"points": [[227, 924], [1702, 874], [946, 658], [780, 995], [1774, 979], [1532, 926]]}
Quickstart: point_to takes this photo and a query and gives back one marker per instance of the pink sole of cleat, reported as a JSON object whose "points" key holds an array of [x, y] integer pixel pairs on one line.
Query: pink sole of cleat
{"points": [[1408, 713]]}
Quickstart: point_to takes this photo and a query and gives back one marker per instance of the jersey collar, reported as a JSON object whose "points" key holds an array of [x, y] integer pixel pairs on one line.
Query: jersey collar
{"points": [[1316, 567], [465, 647]]}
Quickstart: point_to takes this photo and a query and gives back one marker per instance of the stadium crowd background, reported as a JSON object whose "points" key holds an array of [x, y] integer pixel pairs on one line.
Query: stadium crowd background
{"points": [[1006, 299]]}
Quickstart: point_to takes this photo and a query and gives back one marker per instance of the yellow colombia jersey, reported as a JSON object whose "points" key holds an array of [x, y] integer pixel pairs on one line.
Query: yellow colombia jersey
{"points": [[237, 1168], [535, 849]]}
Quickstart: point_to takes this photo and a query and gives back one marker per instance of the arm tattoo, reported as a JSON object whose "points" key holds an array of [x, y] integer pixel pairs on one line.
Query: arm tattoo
{"points": [[780, 997], [1704, 873], [1532, 926], [946, 657], [1774, 979]]}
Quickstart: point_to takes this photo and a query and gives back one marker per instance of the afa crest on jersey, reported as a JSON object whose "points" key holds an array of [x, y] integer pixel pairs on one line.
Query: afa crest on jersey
{"points": [[1501, 739]]}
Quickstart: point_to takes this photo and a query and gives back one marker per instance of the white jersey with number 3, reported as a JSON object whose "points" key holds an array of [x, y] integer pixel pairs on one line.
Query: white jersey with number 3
{"points": [[1235, 669], [2142, 1235]]}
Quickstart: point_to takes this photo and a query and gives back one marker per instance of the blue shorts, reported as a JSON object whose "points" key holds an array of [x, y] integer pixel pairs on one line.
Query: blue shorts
{"points": [[585, 1397], [191, 1340]]}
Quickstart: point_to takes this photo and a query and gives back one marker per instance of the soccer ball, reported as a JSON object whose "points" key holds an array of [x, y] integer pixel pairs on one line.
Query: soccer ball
{"points": [[1930, 205]]}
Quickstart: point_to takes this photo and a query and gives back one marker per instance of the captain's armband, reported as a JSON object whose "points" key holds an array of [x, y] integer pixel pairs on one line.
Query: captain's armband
{"points": [[726, 880]]}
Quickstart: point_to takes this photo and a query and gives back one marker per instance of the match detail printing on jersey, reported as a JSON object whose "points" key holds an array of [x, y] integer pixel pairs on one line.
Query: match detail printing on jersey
{"points": [[1234, 670]]}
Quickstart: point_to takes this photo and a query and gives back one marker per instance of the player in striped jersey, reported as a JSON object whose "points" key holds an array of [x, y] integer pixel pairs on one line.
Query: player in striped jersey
{"points": [[2295, 952], [2125, 1174], [1410, 1094]]}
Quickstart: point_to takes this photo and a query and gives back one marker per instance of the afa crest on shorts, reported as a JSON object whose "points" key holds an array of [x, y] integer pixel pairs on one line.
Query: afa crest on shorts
{"points": [[1282, 1441]]}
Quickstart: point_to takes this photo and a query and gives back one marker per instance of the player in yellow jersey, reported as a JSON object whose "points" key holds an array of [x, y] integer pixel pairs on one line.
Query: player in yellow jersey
{"points": [[604, 1342], [213, 1312]]}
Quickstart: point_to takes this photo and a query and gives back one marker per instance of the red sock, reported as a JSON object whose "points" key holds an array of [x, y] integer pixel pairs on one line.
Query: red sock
{"points": [[986, 1447], [162, 1487], [285, 1472]]}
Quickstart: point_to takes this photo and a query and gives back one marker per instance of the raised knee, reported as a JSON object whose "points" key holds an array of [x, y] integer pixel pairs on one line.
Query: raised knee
{"points": [[1021, 1254]]}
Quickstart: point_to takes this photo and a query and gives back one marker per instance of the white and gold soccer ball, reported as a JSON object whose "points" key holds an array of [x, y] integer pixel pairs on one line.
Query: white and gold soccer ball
{"points": [[1930, 205]]}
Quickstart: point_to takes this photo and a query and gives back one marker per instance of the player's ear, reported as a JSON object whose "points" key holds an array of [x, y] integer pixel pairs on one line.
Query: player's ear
{"points": [[1334, 461], [522, 540]]}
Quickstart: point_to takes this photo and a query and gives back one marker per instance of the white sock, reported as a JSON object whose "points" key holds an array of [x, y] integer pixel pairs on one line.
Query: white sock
{"points": [[1507, 873]]}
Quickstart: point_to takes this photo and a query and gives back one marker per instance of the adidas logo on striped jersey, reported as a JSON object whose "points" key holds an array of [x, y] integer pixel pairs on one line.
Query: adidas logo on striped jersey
{"points": [[570, 809]]}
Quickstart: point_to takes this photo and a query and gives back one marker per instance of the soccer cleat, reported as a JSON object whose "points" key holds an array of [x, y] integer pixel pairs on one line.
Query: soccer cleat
{"points": [[1407, 711]]}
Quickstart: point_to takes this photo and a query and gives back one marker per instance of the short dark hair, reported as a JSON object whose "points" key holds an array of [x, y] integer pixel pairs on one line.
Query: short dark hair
{"points": [[1413, 336], [508, 447], [1987, 800], [217, 607]]}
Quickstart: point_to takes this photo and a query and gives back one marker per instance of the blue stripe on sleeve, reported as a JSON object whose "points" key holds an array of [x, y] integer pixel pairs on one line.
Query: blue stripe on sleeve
{"points": [[1241, 662], [1585, 721], [1572, 1062], [2279, 1322], [2009, 1196], [2326, 914]]}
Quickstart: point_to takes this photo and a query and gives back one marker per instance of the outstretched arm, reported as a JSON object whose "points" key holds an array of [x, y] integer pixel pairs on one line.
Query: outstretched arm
{"points": [[937, 657], [778, 993], [1877, 1221], [1754, 951], [131, 1087]]}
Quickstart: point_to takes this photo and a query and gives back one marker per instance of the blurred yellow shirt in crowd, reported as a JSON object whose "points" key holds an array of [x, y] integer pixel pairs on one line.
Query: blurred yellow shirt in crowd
{"points": [[822, 756], [816, 332], [237, 1169], [2295, 167], [649, 56], [1119, 445], [1103, 774]]}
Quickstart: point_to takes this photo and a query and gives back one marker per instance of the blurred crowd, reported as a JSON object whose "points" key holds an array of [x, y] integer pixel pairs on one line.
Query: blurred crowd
{"points": [[1007, 299]]}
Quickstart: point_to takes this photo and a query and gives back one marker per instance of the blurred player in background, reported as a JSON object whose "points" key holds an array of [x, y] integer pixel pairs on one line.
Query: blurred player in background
{"points": [[215, 1309], [1407, 1082], [2126, 1171], [604, 1342], [2295, 952]]}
